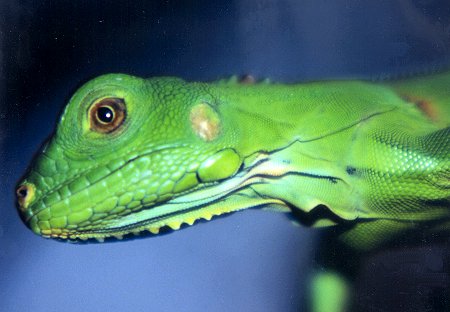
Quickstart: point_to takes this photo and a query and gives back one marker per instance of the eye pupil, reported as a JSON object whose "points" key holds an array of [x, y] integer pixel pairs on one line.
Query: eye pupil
{"points": [[105, 114]]}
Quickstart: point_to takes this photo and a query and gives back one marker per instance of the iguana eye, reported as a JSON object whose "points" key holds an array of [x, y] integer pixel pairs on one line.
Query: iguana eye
{"points": [[107, 115]]}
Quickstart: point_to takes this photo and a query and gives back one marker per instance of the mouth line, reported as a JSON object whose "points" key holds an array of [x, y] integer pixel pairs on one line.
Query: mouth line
{"points": [[129, 228], [162, 148]]}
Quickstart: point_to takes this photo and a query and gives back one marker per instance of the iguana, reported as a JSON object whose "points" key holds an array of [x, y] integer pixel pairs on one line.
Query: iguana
{"points": [[130, 155]]}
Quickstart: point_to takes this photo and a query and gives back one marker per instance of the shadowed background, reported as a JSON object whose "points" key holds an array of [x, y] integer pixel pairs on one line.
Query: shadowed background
{"points": [[253, 260]]}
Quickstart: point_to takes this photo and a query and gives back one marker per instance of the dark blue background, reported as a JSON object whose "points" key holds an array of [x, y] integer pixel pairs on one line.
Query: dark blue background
{"points": [[253, 260]]}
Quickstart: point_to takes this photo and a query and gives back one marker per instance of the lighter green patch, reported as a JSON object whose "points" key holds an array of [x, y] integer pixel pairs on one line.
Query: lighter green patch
{"points": [[205, 121], [219, 166]]}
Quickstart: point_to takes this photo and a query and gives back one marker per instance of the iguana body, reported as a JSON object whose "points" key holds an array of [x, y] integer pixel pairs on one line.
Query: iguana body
{"points": [[131, 155]]}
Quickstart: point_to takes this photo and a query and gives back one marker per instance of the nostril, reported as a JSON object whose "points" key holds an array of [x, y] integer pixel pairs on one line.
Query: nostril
{"points": [[22, 192], [25, 195]]}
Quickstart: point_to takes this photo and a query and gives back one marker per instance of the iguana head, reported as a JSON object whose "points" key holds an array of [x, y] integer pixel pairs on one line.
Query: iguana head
{"points": [[130, 155]]}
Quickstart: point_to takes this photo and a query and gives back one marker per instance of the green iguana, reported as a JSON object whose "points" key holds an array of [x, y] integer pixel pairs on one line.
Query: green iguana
{"points": [[131, 155]]}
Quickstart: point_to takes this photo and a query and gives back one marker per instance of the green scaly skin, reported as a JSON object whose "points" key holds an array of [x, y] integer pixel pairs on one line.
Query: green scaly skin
{"points": [[373, 160], [363, 153]]}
